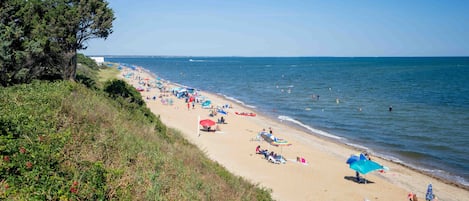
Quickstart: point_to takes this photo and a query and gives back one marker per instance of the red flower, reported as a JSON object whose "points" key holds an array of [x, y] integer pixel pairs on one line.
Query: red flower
{"points": [[29, 165], [22, 150], [7, 186], [6, 159], [73, 190], [75, 183]]}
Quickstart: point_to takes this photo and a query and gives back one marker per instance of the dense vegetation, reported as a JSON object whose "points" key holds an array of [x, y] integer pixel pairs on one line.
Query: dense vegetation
{"points": [[98, 141], [39, 39]]}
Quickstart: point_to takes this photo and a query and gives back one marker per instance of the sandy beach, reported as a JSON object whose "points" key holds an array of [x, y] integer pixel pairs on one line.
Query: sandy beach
{"points": [[326, 176]]}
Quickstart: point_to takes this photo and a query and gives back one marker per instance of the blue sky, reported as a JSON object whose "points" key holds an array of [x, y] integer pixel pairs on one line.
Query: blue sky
{"points": [[287, 28]]}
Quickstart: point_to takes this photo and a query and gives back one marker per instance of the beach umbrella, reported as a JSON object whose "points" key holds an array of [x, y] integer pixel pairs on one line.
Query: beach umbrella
{"points": [[365, 166], [206, 123], [429, 195], [353, 158]]}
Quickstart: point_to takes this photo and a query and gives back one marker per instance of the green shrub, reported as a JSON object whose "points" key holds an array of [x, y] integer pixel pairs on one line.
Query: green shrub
{"points": [[81, 58], [120, 89]]}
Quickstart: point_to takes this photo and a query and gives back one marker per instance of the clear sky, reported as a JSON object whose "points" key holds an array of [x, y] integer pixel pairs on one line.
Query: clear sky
{"points": [[287, 28]]}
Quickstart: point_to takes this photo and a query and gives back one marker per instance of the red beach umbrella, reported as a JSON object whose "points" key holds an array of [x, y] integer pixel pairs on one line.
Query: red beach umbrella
{"points": [[206, 122]]}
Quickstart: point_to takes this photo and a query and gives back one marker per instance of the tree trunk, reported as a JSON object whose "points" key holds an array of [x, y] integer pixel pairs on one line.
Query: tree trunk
{"points": [[70, 65]]}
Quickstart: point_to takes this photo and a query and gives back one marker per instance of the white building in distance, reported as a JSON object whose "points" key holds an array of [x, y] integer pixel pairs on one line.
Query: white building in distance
{"points": [[98, 60]]}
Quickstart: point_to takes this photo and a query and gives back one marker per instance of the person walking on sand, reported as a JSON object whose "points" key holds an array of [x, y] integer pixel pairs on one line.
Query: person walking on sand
{"points": [[188, 106]]}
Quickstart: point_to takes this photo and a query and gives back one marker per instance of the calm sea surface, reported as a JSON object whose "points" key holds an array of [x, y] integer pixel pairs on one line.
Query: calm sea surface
{"points": [[348, 99]]}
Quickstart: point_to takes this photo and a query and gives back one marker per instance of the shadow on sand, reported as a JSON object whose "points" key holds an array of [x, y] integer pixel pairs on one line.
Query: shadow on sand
{"points": [[206, 130], [362, 180]]}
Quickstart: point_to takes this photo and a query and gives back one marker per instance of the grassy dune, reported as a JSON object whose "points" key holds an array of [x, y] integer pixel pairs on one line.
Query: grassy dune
{"points": [[95, 141]]}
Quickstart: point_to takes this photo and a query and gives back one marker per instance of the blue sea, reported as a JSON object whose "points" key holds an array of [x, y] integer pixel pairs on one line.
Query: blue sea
{"points": [[348, 100]]}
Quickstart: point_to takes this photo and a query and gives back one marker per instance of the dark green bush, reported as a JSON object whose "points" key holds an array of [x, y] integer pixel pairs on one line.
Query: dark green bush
{"points": [[120, 89]]}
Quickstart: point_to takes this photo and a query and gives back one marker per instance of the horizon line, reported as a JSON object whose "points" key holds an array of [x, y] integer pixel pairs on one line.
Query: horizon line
{"points": [[187, 56]]}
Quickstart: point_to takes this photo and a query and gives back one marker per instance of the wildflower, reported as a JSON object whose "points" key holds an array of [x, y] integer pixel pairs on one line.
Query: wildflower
{"points": [[22, 150], [29, 165], [6, 159], [73, 190]]}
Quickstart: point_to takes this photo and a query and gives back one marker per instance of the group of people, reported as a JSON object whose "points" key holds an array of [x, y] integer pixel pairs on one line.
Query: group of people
{"points": [[271, 157]]}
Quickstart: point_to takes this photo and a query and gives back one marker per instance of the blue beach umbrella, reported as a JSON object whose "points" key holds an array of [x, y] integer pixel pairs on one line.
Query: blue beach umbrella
{"points": [[365, 166], [353, 158], [429, 195]]}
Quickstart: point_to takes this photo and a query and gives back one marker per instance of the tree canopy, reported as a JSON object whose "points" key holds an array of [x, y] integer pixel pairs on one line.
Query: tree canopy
{"points": [[39, 39]]}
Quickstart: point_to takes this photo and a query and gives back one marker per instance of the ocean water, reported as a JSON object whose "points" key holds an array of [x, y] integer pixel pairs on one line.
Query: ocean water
{"points": [[348, 99]]}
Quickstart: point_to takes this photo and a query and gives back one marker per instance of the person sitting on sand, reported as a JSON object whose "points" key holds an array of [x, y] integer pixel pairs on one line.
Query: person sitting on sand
{"points": [[412, 196], [367, 155], [301, 160], [222, 120], [258, 149], [265, 153]]}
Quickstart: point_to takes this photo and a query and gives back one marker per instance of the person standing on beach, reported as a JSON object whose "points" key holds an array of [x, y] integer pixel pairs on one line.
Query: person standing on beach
{"points": [[188, 106]]}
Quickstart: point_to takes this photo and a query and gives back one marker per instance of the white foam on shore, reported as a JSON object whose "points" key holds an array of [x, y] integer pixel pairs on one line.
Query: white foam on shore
{"points": [[359, 147], [313, 130], [237, 101]]}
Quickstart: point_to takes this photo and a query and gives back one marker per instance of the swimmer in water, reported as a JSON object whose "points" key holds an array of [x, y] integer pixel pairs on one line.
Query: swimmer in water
{"points": [[390, 108]]}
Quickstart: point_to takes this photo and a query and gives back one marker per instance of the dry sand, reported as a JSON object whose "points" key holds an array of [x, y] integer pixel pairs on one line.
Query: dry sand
{"points": [[325, 177]]}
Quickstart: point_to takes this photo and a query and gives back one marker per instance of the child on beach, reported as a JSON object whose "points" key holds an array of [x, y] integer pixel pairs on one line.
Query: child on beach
{"points": [[258, 149]]}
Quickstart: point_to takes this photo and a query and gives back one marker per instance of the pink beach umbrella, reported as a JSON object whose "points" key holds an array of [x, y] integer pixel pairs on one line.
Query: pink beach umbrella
{"points": [[206, 123]]}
